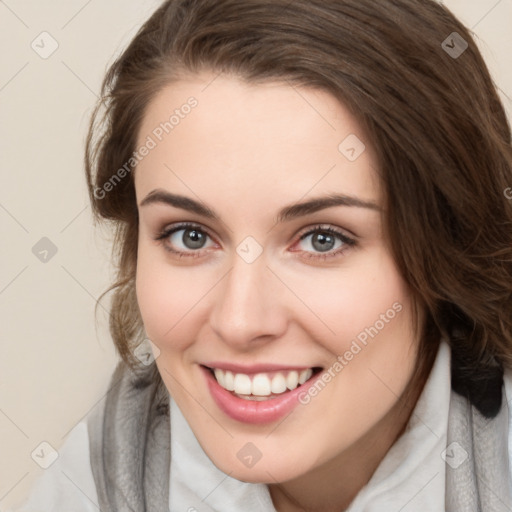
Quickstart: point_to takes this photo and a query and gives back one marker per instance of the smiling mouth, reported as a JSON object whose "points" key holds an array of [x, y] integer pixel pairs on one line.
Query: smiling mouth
{"points": [[262, 386]]}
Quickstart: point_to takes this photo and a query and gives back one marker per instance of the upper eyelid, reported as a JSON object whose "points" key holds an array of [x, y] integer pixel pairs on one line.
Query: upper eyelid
{"points": [[328, 227], [171, 229]]}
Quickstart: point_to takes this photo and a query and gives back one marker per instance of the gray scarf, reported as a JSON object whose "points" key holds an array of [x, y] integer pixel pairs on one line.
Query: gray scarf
{"points": [[130, 449]]}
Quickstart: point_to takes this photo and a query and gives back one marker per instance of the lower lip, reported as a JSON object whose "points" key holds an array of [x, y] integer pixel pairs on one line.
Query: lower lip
{"points": [[252, 411]]}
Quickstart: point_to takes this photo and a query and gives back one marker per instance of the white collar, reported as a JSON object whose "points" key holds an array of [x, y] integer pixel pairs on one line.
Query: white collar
{"points": [[410, 477], [412, 474]]}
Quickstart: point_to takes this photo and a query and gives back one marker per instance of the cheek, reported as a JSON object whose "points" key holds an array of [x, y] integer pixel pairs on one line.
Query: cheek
{"points": [[363, 298], [373, 322], [168, 298]]}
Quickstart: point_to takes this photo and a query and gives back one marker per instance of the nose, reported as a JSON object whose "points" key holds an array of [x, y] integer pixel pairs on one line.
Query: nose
{"points": [[248, 309]]}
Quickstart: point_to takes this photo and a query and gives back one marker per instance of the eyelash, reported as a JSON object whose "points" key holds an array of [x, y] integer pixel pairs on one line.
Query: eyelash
{"points": [[167, 232]]}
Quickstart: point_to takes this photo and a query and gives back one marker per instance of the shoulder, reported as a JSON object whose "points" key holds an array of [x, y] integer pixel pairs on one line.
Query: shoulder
{"points": [[70, 483], [507, 378], [67, 484]]}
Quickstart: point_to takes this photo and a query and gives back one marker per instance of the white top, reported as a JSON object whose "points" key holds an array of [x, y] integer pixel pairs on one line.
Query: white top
{"points": [[410, 477]]}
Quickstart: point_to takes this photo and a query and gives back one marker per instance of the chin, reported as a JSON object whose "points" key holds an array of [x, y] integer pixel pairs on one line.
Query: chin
{"points": [[263, 471]]}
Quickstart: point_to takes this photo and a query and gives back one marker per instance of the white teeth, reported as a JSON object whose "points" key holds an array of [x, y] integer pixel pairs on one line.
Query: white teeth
{"points": [[253, 398], [242, 384], [261, 385], [219, 375], [292, 380], [229, 381], [278, 383], [305, 375]]}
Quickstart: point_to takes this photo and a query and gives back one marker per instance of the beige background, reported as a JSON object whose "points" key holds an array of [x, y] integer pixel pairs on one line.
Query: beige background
{"points": [[55, 361]]}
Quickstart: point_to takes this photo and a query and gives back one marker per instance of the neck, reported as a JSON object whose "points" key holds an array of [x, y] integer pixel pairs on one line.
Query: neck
{"points": [[334, 485]]}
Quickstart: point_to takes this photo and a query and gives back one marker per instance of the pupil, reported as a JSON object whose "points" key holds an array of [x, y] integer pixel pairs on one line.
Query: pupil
{"points": [[325, 241], [195, 239]]}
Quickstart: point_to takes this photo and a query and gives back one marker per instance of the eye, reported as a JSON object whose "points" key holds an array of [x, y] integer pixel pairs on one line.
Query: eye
{"points": [[328, 241], [190, 240], [185, 240]]}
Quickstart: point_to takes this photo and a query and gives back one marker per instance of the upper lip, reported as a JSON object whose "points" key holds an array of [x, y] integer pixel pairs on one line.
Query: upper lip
{"points": [[255, 368]]}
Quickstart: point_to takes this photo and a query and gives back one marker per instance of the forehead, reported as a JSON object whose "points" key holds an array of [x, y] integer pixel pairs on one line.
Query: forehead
{"points": [[227, 140]]}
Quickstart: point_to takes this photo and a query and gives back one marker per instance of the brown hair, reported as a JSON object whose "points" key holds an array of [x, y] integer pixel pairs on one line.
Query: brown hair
{"points": [[434, 118]]}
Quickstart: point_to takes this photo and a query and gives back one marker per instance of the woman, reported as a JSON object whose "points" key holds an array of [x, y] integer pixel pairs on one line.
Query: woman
{"points": [[314, 241]]}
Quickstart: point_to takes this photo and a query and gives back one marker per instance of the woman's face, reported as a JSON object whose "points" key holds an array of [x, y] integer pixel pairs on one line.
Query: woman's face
{"points": [[282, 273]]}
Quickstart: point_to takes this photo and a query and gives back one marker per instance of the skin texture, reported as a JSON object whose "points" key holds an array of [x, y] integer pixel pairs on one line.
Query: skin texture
{"points": [[246, 151]]}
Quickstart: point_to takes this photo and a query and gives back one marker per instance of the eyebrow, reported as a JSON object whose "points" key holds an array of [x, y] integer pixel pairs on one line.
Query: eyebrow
{"points": [[287, 213]]}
